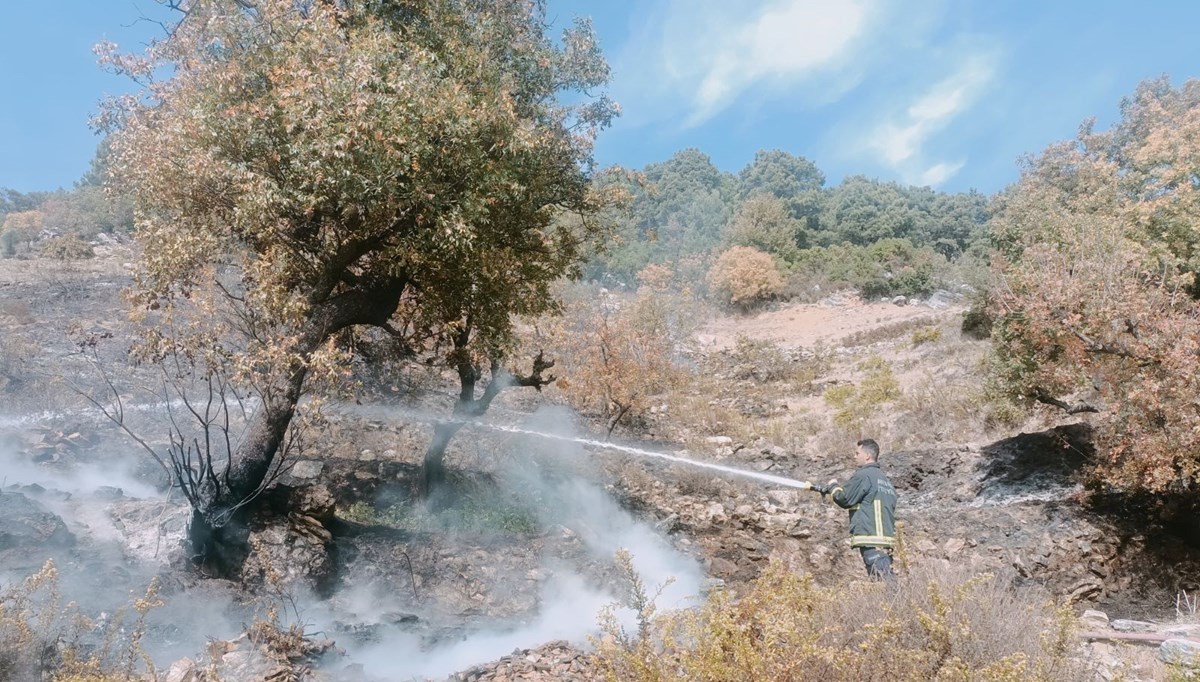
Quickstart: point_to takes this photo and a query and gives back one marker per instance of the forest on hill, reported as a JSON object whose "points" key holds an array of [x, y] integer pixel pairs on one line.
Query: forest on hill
{"points": [[882, 238]]}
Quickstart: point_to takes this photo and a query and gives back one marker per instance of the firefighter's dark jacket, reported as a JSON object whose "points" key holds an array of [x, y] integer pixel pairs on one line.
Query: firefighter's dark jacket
{"points": [[871, 499]]}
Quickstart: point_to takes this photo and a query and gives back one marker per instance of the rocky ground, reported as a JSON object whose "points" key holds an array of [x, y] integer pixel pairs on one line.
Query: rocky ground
{"points": [[367, 581]]}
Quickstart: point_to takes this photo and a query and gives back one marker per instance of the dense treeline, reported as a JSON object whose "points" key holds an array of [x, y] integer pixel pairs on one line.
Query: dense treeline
{"points": [[880, 237]]}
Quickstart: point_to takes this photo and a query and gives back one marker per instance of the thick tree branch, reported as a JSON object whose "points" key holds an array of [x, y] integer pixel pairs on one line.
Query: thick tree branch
{"points": [[1118, 350], [1078, 408]]}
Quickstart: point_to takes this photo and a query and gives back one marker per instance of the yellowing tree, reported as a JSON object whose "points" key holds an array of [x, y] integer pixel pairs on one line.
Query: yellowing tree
{"points": [[616, 353], [1097, 308], [19, 229], [764, 222], [744, 277], [312, 168]]}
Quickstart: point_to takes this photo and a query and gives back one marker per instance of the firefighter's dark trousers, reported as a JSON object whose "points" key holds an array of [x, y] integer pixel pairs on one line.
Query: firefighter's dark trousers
{"points": [[878, 562]]}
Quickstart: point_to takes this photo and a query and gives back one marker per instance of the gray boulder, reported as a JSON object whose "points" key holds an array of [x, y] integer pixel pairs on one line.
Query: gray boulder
{"points": [[25, 524], [1181, 652]]}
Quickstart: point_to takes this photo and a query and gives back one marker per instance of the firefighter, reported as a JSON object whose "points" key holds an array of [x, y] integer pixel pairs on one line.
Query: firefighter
{"points": [[871, 501]]}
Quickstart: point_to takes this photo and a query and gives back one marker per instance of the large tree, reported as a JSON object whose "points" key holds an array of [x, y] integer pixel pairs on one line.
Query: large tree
{"points": [[311, 168], [1097, 307], [793, 179]]}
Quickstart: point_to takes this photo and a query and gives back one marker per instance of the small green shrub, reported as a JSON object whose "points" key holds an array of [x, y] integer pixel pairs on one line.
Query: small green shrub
{"points": [[760, 359], [485, 514], [67, 248], [929, 334], [854, 404], [977, 322]]}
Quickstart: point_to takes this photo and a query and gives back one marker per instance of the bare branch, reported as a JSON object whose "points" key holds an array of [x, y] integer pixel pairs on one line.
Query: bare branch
{"points": [[1078, 408], [1094, 346]]}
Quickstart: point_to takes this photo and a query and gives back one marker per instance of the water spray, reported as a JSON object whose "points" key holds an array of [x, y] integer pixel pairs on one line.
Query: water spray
{"points": [[639, 452]]}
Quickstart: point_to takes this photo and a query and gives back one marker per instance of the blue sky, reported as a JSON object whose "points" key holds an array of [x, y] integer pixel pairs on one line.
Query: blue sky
{"points": [[934, 92]]}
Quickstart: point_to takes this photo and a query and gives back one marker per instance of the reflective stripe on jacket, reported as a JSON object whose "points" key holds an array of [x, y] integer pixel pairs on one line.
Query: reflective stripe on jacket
{"points": [[871, 500]]}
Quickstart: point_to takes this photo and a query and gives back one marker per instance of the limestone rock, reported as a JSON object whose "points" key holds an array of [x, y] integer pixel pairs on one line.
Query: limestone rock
{"points": [[1123, 625], [1094, 619], [1186, 631], [784, 498], [183, 670], [1181, 652], [307, 469], [25, 523]]}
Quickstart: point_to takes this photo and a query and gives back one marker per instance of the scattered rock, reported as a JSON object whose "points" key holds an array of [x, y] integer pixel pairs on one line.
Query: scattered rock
{"points": [[1187, 631], [25, 523], [183, 670], [307, 469], [553, 661], [1084, 590], [784, 498], [719, 440], [108, 492], [1123, 625], [1181, 652], [669, 524], [942, 299], [1094, 619], [954, 546]]}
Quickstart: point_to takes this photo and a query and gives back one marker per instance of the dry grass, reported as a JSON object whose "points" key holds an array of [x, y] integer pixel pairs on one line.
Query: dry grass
{"points": [[785, 628], [888, 332], [43, 639], [923, 335]]}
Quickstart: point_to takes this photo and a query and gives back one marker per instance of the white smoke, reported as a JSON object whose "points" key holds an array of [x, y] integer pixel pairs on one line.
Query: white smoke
{"points": [[546, 474]]}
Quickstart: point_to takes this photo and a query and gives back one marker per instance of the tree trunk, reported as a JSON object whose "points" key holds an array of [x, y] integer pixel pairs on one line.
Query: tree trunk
{"points": [[433, 468], [219, 531], [467, 406]]}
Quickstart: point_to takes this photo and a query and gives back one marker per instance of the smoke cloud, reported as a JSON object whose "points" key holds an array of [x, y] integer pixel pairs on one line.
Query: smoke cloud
{"points": [[548, 476]]}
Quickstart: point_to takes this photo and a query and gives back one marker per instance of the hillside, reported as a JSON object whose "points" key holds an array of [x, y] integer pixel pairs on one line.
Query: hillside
{"points": [[539, 519]]}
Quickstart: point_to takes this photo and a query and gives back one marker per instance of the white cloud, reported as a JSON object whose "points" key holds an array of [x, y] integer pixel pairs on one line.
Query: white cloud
{"points": [[939, 173], [899, 140], [785, 41], [694, 58]]}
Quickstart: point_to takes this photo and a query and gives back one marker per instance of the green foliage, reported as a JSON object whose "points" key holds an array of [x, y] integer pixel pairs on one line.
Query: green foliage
{"points": [[862, 211], [927, 627], [481, 512], [977, 320], [682, 207], [760, 359], [794, 180], [19, 231], [763, 222], [923, 335], [678, 209], [9, 241], [421, 170], [87, 211], [883, 269], [67, 248], [854, 404]]}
